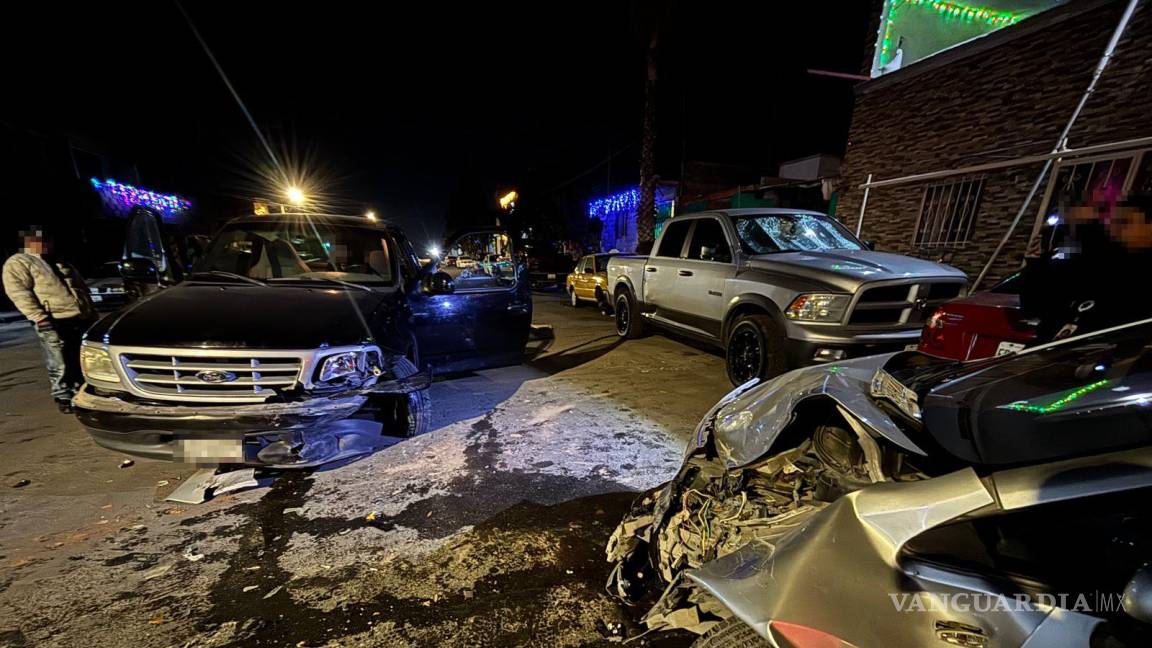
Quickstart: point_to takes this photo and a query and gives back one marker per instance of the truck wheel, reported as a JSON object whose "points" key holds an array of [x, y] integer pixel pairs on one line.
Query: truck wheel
{"points": [[732, 633], [629, 324], [755, 349], [405, 415], [573, 300]]}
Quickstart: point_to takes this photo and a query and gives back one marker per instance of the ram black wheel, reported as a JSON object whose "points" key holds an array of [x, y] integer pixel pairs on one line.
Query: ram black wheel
{"points": [[628, 322], [754, 349]]}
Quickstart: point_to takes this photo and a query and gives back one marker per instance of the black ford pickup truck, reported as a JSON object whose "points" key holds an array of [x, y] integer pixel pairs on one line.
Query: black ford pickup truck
{"points": [[294, 340]]}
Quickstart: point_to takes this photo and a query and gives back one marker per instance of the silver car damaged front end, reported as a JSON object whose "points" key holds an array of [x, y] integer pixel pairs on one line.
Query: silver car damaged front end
{"points": [[840, 566]]}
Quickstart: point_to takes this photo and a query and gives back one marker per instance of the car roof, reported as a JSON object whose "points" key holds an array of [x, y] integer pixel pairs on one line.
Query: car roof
{"points": [[752, 211]]}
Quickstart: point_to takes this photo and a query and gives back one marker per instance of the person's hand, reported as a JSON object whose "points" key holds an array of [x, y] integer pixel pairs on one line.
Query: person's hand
{"points": [[44, 324]]}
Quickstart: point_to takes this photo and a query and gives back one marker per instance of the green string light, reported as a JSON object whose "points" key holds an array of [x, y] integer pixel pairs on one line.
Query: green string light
{"points": [[951, 11], [1023, 406]]}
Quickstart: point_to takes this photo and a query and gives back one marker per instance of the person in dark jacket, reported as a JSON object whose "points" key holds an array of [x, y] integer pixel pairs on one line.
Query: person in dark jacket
{"points": [[1089, 277]]}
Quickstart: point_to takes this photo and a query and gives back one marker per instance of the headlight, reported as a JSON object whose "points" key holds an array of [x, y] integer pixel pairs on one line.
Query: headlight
{"points": [[351, 363], [817, 307], [98, 365], [340, 365], [885, 386]]}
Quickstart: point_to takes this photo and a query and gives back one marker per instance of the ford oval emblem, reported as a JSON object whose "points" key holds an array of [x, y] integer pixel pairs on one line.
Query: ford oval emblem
{"points": [[215, 377]]}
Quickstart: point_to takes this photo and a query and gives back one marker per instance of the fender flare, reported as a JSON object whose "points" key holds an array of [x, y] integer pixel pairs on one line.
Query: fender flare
{"points": [[749, 299], [626, 283]]}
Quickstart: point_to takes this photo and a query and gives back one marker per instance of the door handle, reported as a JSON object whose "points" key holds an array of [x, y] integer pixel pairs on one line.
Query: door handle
{"points": [[685, 273], [518, 308], [649, 269]]}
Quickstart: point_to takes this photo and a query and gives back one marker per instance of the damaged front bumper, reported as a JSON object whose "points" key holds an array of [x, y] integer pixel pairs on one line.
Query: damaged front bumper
{"points": [[298, 434]]}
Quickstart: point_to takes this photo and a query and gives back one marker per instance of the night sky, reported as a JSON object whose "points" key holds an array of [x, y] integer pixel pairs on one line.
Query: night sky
{"points": [[414, 110]]}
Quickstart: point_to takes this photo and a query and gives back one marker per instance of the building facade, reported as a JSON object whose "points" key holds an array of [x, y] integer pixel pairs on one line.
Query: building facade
{"points": [[978, 97]]}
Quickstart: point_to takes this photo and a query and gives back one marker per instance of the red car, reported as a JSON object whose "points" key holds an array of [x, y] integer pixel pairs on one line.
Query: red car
{"points": [[982, 325]]}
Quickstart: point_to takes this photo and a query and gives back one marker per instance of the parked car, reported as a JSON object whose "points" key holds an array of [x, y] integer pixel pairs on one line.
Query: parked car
{"points": [[777, 289], [106, 287], [547, 267], [295, 338], [981, 325], [465, 262], [847, 504], [588, 281]]}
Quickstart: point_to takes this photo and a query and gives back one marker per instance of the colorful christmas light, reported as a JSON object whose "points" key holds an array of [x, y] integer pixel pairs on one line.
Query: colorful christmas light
{"points": [[603, 207], [121, 198], [950, 11]]}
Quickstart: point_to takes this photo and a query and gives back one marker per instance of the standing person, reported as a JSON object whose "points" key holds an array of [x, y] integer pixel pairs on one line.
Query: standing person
{"points": [[52, 295], [1089, 279]]}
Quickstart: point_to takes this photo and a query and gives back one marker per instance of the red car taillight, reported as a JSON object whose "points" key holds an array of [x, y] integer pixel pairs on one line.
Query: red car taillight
{"points": [[933, 333], [798, 636]]}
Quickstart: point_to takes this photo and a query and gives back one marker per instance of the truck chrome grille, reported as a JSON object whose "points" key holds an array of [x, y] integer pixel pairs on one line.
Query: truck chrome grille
{"points": [[221, 376], [901, 305]]}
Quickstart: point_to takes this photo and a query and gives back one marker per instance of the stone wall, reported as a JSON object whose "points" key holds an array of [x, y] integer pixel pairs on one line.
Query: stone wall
{"points": [[1007, 101]]}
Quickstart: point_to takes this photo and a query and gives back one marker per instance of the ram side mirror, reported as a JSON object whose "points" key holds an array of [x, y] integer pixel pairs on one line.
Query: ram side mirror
{"points": [[438, 283], [870, 245]]}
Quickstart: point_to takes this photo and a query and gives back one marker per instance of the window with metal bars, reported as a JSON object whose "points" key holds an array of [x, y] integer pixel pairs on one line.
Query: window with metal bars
{"points": [[948, 213]]}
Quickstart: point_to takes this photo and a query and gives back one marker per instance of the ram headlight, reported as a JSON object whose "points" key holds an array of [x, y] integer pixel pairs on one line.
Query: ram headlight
{"points": [[350, 364], [97, 365], [818, 307], [885, 386]]}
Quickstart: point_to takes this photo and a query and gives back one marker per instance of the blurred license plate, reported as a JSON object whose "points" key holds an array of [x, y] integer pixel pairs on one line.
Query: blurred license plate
{"points": [[210, 451], [1006, 348], [97, 298], [911, 347], [551, 275]]}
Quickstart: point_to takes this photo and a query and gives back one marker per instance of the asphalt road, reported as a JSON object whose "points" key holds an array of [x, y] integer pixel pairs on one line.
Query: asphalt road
{"points": [[488, 530]]}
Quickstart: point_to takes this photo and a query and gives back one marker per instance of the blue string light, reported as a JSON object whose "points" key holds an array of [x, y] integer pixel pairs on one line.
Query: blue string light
{"points": [[603, 208], [121, 198]]}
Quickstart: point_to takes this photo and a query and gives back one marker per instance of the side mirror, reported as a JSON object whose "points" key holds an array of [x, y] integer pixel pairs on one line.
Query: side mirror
{"points": [[870, 245], [140, 271], [707, 253], [438, 283], [1137, 599]]}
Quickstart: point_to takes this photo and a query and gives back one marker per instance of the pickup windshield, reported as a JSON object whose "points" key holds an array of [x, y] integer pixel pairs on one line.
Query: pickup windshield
{"points": [[300, 250], [769, 233]]}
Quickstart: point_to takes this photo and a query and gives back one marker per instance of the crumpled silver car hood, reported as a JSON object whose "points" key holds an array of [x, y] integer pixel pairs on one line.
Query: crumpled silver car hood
{"points": [[746, 423]]}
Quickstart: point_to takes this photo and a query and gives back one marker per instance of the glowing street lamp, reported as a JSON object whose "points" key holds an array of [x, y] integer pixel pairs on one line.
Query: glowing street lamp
{"points": [[295, 195], [370, 215], [508, 200], [434, 252]]}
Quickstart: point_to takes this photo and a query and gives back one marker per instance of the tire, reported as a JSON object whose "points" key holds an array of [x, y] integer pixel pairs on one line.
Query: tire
{"points": [[754, 349], [573, 300], [405, 415], [732, 633], [629, 324]]}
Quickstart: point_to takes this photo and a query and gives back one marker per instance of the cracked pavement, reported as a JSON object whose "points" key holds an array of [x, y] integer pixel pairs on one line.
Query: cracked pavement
{"points": [[487, 530]]}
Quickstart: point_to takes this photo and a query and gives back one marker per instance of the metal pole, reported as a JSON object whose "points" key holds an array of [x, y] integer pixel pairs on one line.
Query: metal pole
{"points": [[1062, 141], [863, 205]]}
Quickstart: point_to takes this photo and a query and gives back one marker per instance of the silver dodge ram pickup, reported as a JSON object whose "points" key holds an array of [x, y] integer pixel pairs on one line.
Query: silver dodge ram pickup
{"points": [[777, 289]]}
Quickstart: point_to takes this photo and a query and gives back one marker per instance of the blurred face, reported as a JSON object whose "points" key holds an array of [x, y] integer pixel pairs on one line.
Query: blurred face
{"points": [[1129, 227], [35, 243]]}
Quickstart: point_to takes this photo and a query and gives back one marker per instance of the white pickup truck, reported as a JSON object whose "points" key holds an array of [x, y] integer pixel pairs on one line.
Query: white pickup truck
{"points": [[777, 289]]}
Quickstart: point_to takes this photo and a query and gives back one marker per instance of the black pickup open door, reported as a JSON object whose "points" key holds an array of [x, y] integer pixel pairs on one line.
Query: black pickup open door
{"points": [[479, 315]]}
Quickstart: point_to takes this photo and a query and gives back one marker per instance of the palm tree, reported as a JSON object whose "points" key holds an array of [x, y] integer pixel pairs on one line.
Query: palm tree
{"points": [[646, 206]]}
